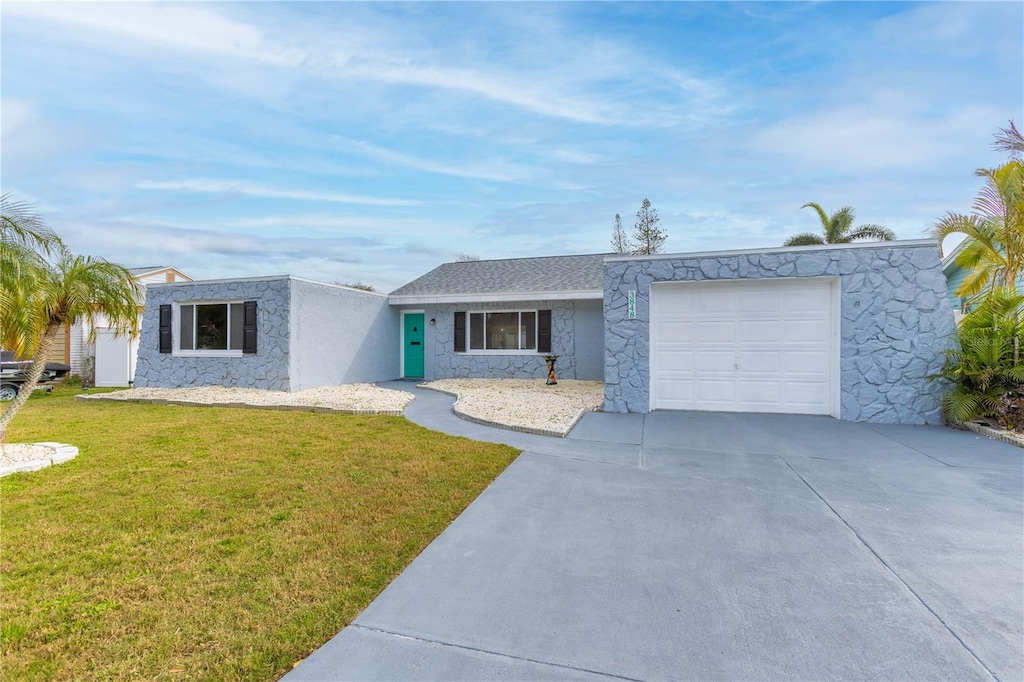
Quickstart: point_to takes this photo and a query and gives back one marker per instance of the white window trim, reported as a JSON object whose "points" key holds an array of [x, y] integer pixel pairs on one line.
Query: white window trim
{"points": [[503, 351], [176, 330]]}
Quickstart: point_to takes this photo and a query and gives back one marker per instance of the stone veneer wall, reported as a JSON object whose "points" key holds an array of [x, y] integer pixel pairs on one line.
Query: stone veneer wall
{"points": [[895, 322], [267, 368], [442, 362]]}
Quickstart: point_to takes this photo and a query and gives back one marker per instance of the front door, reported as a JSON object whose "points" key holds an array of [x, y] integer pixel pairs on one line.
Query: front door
{"points": [[412, 345]]}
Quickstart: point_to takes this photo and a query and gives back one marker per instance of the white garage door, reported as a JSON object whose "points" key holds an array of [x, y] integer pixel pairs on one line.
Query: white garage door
{"points": [[745, 346]]}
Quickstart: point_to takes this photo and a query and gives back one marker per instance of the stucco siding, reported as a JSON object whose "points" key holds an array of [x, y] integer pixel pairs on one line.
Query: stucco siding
{"points": [[588, 340], [340, 336], [268, 368], [895, 320], [442, 362]]}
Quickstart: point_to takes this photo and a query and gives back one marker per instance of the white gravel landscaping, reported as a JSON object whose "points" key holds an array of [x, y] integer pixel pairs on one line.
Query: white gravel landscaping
{"points": [[15, 457], [519, 404], [357, 398], [524, 404]]}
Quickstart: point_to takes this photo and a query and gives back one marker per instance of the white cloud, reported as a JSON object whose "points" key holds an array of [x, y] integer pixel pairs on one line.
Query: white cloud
{"points": [[528, 94], [17, 114], [497, 170], [883, 134], [185, 28], [551, 78], [256, 190]]}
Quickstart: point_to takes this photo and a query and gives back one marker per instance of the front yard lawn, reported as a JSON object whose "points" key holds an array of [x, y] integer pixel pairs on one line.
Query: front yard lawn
{"points": [[209, 542]]}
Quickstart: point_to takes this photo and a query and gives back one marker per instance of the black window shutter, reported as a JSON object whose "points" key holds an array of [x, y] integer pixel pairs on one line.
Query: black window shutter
{"points": [[165, 328], [543, 331], [460, 332], [249, 328]]}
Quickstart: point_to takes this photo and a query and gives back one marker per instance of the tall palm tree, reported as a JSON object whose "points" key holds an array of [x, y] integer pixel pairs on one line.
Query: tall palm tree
{"points": [[67, 289], [25, 241], [838, 229], [993, 254]]}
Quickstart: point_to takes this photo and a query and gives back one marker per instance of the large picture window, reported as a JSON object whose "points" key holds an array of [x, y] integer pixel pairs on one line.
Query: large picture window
{"points": [[503, 330], [211, 326]]}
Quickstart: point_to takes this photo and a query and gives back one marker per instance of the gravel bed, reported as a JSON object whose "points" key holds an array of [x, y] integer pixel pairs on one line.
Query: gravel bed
{"points": [[527, 404], [17, 453], [22, 457], [355, 397]]}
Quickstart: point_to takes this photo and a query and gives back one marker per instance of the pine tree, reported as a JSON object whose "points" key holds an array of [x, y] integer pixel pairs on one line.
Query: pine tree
{"points": [[648, 236], [620, 242]]}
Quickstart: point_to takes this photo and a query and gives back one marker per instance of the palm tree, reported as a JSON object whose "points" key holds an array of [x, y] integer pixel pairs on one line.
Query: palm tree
{"points": [[838, 229], [993, 254], [1011, 141], [25, 241], [63, 290]]}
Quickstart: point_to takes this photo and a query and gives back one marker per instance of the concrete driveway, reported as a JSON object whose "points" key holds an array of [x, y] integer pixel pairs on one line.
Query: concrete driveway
{"points": [[712, 546]]}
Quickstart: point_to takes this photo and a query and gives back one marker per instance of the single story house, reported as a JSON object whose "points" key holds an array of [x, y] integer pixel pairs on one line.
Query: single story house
{"points": [[852, 331]]}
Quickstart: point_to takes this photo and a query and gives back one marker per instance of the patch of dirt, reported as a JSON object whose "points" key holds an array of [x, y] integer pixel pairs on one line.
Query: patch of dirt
{"points": [[1009, 416]]}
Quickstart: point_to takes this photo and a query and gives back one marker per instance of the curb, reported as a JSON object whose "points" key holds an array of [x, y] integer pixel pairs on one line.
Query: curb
{"points": [[508, 427], [317, 409], [61, 453], [995, 434]]}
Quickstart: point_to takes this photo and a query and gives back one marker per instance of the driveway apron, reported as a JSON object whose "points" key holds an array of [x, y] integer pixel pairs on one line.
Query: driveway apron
{"points": [[709, 545]]}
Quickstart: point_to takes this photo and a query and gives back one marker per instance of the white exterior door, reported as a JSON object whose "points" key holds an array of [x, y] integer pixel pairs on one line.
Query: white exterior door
{"points": [[764, 345], [113, 359]]}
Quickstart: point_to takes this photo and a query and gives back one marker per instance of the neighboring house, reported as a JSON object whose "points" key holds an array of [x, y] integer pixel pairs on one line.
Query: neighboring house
{"points": [[110, 360], [852, 331], [955, 276]]}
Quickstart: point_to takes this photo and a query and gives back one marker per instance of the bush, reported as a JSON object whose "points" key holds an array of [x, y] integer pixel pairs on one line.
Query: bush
{"points": [[987, 369]]}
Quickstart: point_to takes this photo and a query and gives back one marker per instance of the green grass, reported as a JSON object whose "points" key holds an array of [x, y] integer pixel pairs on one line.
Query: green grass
{"points": [[212, 543]]}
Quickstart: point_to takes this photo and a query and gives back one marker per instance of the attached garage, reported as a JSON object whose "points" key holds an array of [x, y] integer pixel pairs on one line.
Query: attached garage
{"points": [[765, 345], [853, 331]]}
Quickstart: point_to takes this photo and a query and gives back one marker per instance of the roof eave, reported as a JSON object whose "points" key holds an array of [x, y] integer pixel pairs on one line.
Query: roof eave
{"points": [[900, 243], [497, 297]]}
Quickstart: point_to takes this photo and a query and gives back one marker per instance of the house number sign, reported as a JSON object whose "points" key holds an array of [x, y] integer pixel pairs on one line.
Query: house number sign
{"points": [[631, 306]]}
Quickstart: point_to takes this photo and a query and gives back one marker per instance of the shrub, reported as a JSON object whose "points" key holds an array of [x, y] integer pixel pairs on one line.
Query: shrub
{"points": [[986, 369]]}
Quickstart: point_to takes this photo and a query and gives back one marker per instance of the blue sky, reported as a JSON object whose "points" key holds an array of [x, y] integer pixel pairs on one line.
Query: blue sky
{"points": [[372, 142]]}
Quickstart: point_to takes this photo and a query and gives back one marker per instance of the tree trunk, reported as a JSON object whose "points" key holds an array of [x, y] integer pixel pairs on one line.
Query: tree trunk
{"points": [[38, 366]]}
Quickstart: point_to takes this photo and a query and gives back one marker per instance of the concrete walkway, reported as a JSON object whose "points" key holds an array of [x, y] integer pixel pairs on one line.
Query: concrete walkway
{"points": [[708, 545]]}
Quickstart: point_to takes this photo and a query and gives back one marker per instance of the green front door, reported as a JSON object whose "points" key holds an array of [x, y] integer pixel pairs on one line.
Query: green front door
{"points": [[412, 343]]}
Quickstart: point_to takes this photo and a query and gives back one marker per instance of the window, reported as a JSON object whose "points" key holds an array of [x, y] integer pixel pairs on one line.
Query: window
{"points": [[211, 327], [499, 331]]}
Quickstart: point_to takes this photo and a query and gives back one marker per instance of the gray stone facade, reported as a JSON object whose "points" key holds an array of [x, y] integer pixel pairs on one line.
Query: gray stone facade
{"points": [[267, 369], [575, 351], [895, 321], [307, 334]]}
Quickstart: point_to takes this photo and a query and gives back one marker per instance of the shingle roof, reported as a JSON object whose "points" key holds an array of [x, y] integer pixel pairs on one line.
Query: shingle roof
{"points": [[510, 275]]}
